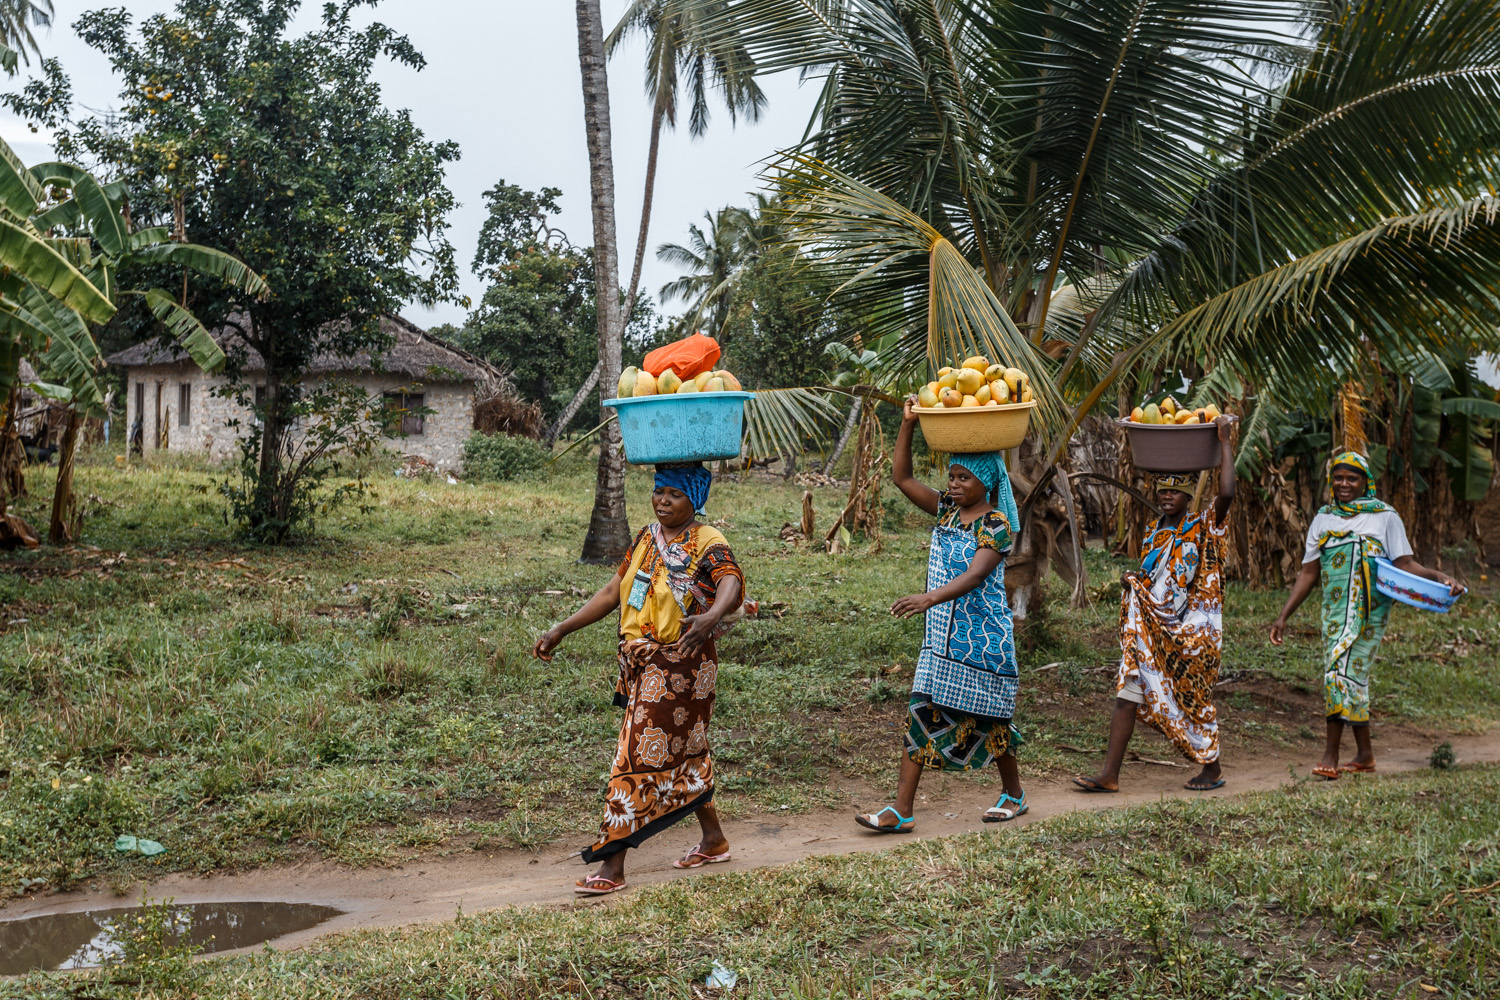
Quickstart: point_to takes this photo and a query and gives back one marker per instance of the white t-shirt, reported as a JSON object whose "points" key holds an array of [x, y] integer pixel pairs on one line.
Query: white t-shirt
{"points": [[1385, 527]]}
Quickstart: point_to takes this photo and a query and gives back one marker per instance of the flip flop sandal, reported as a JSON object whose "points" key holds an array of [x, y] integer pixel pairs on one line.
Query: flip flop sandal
{"points": [[702, 859], [871, 821], [1090, 785], [1002, 813], [1354, 767], [587, 886], [1327, 773], [1204, 788]]}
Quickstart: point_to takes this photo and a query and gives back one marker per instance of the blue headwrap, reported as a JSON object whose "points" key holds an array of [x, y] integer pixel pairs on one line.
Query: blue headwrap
{"points": [[989, 468], [693, 480]]}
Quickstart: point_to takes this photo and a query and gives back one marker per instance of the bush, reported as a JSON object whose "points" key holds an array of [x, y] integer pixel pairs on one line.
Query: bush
{"points": [[500, 456]]}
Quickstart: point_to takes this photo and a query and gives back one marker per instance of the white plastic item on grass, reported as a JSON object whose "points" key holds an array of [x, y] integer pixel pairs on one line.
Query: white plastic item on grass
{"points": [[721, 978]]}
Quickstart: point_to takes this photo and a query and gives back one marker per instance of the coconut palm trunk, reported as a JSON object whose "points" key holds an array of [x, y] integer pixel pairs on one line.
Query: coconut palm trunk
{"points": [[609, 533]]}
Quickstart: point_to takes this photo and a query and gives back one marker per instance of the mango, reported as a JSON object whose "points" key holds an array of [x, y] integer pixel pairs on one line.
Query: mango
{"points": [[1138, 415], [990, 403], [951, 397], [969, 381], [1000, 391], [947, 378], [1026, 395], [969, 401], [1014, 378], [935, 388], [627, 382], [978, 363], [731, 383], [982, 394], [927, 397], [714, 384], [691, 385], [945, 370], [1212, 412], [1151, 414], [645, 384], [1183, 416], [1169, 406], [1192, 418], [701, 379], [668, 382], [993, 372]]}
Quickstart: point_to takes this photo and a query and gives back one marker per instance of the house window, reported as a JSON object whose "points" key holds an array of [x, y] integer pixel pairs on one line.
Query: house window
{"points": [[185, 405], [402, 420]]}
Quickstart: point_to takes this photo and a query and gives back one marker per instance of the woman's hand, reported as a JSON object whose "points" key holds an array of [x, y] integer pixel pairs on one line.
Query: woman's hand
{"points": [[548, 643], [1454, 587], [1277, 631], [697, 630], [912, 604], [1129, 576], [1223, 422], [907, 416]]}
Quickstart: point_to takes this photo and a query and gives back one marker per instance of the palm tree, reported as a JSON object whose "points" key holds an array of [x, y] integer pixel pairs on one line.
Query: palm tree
{"points": [[1101, 189], [609, 531], [677, 54], [15, 32], [715, 258]]}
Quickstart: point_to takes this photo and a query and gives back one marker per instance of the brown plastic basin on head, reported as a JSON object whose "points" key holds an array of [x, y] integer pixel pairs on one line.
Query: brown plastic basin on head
{"points": [[975, 428], [1172, 447]]}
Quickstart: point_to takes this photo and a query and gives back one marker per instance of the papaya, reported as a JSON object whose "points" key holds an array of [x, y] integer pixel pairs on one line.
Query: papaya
{"points": [[945, 370], [935, 388], [990, 403], [978, 363], [951, 397], [1151, 414], [1014, 377], [982, 393], [691, 385], [627, 382], [947, 378], [645, 384], [714, 384], [969, 401], [969, 381], [1026, 395], [926, 397], [668, 382], [1138, 415], [701, 379], [731, 383]]}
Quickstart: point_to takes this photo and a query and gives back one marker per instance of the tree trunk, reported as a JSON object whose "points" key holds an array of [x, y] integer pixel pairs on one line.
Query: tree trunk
{"points": [[850, 422], [608, 537], [657, 114], [60, 532], [572, 408]]}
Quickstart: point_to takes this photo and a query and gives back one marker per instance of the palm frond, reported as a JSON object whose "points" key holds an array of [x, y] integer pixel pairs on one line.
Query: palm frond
{"points": [[786, 421]]}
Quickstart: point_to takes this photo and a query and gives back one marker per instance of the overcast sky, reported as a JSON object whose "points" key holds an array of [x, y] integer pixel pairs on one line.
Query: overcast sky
{"points": [[502, 80]]}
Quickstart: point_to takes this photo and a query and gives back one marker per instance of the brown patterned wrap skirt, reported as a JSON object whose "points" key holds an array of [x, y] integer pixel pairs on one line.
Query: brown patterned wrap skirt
{"points": [[662, 769]]}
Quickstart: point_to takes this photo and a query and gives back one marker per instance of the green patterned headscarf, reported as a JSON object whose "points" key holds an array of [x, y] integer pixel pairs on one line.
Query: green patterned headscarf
{"points": [[1364, 504]]}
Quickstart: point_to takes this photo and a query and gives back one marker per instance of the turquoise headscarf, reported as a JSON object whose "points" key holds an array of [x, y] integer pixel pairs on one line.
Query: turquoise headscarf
{"points": [[1367, 503], [989, 468]]}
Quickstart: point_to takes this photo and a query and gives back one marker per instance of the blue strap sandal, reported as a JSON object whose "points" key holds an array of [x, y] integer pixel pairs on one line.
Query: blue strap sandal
{"points": [[1004, 810], [871, 821]]}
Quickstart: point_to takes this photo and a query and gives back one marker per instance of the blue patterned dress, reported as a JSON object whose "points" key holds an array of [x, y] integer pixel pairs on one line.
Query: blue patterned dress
{"points": [[964, 693]]}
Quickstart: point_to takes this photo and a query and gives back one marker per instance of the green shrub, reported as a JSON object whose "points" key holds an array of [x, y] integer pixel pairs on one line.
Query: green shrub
{"points": [[500, 456]]}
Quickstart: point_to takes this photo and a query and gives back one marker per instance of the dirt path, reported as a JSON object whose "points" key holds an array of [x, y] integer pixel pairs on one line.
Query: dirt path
{"points": [[433, 889]]}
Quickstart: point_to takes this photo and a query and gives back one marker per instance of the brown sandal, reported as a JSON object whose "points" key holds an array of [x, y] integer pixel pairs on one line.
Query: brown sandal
{"points": [[1355, 767], [1326, 773]]}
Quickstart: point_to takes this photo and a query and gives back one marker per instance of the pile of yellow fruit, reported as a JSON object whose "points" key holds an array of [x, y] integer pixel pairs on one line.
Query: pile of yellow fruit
{"points": [[976, 383], [639, 382], [1168, 412]]}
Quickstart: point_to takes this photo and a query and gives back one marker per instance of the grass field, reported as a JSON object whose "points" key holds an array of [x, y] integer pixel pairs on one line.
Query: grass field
{"points": [[1365, 888], [370, 695]]}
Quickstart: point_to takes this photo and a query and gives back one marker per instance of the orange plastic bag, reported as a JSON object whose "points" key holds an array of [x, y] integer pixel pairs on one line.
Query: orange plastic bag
{"points": [[688, 357]]}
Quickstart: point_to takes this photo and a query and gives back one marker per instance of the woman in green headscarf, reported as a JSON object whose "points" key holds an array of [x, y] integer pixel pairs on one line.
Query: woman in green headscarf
{"points": [[1343, 541]]}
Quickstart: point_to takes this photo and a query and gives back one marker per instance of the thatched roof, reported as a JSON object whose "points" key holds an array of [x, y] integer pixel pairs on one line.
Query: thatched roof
{"points": [[27, 373], [414, 353]]}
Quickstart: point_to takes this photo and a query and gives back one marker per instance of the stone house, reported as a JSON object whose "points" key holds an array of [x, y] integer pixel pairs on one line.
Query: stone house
{"points": [[180, 410]]}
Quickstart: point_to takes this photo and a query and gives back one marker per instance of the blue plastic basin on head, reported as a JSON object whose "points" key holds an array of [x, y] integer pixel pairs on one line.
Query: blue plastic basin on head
{"points": [[686, 427], [1408, 588]]}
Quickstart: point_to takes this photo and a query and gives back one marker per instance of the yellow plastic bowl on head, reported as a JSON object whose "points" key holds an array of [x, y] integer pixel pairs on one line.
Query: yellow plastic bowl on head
{"points": [[975, 428]]}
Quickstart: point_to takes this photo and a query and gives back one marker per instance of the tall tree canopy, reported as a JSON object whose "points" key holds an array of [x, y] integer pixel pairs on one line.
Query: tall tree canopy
{"points": [[277, 148]]}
